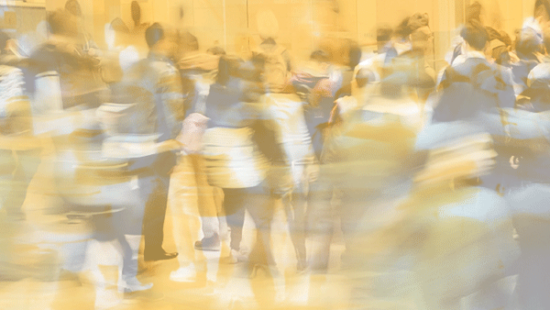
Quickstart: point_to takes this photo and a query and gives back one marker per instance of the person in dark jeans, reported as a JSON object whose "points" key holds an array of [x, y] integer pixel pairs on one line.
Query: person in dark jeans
{"points": [[159, 78]]}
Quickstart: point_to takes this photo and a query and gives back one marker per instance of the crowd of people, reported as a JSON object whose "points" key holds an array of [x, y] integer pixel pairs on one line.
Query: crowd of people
{"points": [[399, 187]]}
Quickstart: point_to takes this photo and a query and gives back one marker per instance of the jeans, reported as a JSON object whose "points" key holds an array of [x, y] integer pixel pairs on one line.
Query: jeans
{"points": [[259, 203], [154, 182]]}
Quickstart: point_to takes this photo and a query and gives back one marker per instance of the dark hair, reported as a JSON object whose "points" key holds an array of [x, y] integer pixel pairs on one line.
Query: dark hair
{"points": [[319, 55], [475, 35], [136, 12], [153, 34], [59, 23], [505, 38], [355, 54], [501, 55], [383, 34], [403, 30], [492, 33], [73, 7], [216, 50]]}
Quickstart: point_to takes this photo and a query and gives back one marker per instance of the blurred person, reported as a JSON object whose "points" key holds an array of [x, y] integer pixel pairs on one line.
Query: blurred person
{"points": [[529, 140], [528, 49], [366, 169], [20, 152], [421, 38], [59, 59], [472, 70], [499, 47], [193, 196], [316, 84], [469, 265], [187, 42], [286, 109], [198, 73], [490, 90], [244, 158], [157, 75], [85, 42], [138, 27]]}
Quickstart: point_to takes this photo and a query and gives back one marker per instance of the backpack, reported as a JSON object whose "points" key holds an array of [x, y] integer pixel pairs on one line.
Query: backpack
{"points": [[276, 68]]}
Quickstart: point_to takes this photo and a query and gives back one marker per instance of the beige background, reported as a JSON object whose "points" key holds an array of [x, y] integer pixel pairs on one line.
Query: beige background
{"points": [[232, 23]]}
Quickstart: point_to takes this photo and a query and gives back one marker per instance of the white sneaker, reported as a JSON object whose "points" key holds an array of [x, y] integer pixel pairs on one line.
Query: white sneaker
{"points": [[133, 285], [185, 274]]}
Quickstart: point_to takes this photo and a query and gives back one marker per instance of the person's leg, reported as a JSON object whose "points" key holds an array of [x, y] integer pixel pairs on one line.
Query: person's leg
{"points": [[155, 207], [26, 164], [185, 218], [295, 207], [320, 221], [207, 206], [127, 226], [235, 212], [155, 212], [259, 204]]}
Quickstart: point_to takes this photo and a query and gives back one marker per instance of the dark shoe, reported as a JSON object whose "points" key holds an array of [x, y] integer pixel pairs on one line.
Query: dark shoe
{"points": [[159, 256], [208, 244]]}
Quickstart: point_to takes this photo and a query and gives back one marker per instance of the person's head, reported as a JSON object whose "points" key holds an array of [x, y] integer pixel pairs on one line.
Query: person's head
{"points": [[363, 77], [73, 7], [354, 54], [136, 12], [418, 20], [528, 43], [499, 43], [61, 23], [475, 35], [319, 56], [154, 34], [402, 31], [383, 36], [161, 41], [216, 50]]}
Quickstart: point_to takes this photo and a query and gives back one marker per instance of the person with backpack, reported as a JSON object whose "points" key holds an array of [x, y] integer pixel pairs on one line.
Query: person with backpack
{"points": [[287, 110]]}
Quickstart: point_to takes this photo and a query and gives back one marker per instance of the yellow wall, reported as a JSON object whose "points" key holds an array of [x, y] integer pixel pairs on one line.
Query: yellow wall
{"points": [[232, 23]]}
